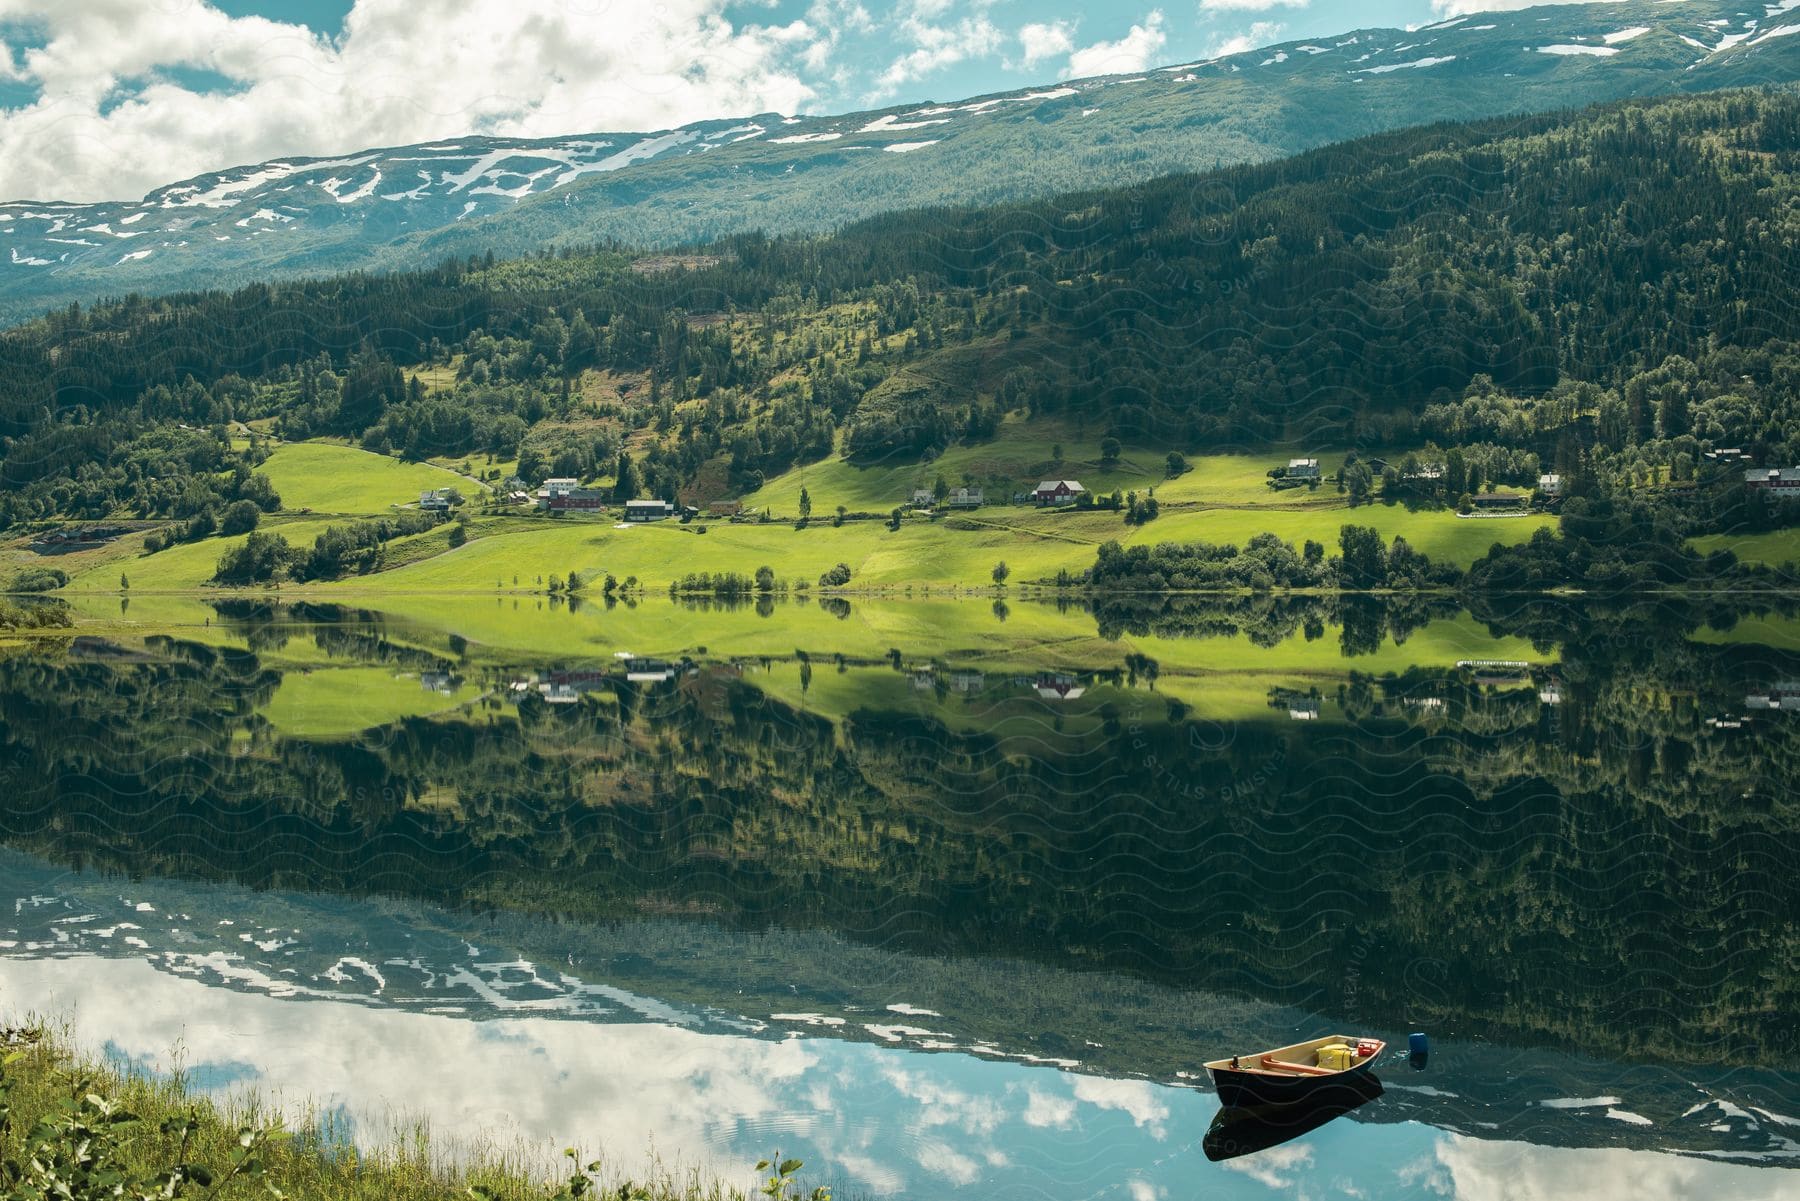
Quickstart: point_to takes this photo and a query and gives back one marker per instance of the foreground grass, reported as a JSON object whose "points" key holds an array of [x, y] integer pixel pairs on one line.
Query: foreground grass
{"points": [[73, 1128]]}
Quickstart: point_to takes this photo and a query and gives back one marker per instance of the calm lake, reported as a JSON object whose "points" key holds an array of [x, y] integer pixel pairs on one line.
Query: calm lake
{"points": [[942, 897]]}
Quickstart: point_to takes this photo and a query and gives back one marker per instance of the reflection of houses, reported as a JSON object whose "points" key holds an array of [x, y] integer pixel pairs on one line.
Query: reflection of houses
{"points": [[965, 498], [1783, 696], [567, 686], [1783, 481], [924, 681], [438, 681], [648, 510], [1303, 708], [1058, 492], [437, 500], [1058, 686], [1497, 671], [1728, 454], [1550, 693], [967, 681], [649, 671]]}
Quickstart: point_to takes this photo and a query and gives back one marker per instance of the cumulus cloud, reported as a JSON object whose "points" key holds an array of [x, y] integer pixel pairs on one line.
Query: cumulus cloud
{"points": [[1254, 6], [936, 46], [1131, 53], [113, 118], [1045, 41], [1463, 8], [1260, 33]]}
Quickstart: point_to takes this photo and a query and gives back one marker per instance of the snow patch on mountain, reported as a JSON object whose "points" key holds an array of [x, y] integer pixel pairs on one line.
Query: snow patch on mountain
{"points": [[797, 138], [907, 147], [1423, 62], [1626, 35], [1567, 49], [891, 121]]}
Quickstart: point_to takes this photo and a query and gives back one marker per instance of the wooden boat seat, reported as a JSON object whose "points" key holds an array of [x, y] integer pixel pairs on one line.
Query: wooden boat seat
{"points": [[1305, 1069]]}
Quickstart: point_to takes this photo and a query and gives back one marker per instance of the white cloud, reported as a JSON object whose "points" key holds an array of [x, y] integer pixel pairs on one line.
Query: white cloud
{"points": [[1139, 1099], [1274, 1167], [936, 46], [1131, 53], [1042, 41], [1261, 33], [108, 124], [1254, 6], [1463, 8], [1482, 1170]]}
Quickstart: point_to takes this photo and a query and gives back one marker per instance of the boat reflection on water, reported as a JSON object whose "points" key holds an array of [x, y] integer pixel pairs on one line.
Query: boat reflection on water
{"points": [[1246, 1129]]}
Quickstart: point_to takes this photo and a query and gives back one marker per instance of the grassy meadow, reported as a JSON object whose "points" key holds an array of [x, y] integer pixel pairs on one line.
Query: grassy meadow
{"points": [[1221, 499]]}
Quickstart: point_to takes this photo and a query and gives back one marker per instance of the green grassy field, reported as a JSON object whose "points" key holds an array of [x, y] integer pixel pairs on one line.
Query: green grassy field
{"points": [[1222, 500], [330, 478], [1020, 455]]}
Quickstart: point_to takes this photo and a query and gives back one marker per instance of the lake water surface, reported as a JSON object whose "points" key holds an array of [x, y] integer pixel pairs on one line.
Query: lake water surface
{"points": [[941, 900]]}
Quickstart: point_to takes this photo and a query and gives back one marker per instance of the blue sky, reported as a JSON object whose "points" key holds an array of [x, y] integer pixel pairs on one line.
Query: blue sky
{"points": [[106, 99]]}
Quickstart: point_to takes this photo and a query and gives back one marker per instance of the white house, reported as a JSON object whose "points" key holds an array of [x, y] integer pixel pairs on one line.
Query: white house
{"points": [[1550, 485], [1303, 469]]}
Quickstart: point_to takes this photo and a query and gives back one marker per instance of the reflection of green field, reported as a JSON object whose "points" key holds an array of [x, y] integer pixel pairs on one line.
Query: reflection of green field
{"points": [[1778, 633], [338, 701], [1773, 548], [963, 631], [327, 478]]}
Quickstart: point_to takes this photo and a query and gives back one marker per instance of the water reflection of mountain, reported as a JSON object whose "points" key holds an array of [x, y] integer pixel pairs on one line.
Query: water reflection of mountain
{"points": [[1606, 872]]}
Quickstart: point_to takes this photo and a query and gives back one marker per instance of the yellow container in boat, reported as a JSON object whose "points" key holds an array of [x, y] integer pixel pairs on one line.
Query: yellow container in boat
{"points": [[1337, 1056]]}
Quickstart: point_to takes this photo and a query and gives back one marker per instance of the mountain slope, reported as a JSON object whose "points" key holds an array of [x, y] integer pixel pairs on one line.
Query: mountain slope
{"points": [[412, 205]]}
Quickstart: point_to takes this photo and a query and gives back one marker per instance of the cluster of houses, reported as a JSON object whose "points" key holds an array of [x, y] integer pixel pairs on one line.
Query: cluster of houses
{"points": [[93, 535], [564, 494], [958, 498], [1048, 494], [567, 685]]}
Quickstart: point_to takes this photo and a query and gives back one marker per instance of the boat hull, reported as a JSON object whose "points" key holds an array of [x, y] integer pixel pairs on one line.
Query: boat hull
{"points": [[1262, 1088]]}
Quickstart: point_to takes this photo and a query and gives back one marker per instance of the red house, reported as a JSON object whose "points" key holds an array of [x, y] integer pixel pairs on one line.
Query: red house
{"points": [[1058, 492]]}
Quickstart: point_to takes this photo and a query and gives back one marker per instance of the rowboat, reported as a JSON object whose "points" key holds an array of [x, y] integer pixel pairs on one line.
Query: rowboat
{"points": [[1299, 1072]]}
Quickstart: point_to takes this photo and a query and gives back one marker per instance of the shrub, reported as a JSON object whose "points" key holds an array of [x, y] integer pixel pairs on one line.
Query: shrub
{"points": [[837, 577], [240, 517]]}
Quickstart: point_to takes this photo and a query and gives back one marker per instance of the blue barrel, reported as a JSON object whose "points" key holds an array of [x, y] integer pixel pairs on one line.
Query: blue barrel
{"points": [[1418, 1044]]}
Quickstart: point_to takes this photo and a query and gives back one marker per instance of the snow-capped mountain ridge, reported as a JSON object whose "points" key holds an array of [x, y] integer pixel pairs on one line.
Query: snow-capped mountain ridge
{"points": [[409, 205]]}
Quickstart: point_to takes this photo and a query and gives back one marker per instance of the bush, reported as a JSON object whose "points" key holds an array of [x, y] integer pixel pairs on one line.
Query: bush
{"points": [[240, 517], [261, 557], [837, 577], [39, 579]]}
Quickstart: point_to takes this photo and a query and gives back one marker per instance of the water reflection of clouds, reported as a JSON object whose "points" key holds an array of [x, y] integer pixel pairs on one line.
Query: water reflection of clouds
{"points": [[1471, 1169], [880, 1120]]}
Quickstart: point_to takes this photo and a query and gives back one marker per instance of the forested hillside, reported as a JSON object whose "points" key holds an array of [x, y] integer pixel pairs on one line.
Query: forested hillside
{"points": [[1491, 289]]}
